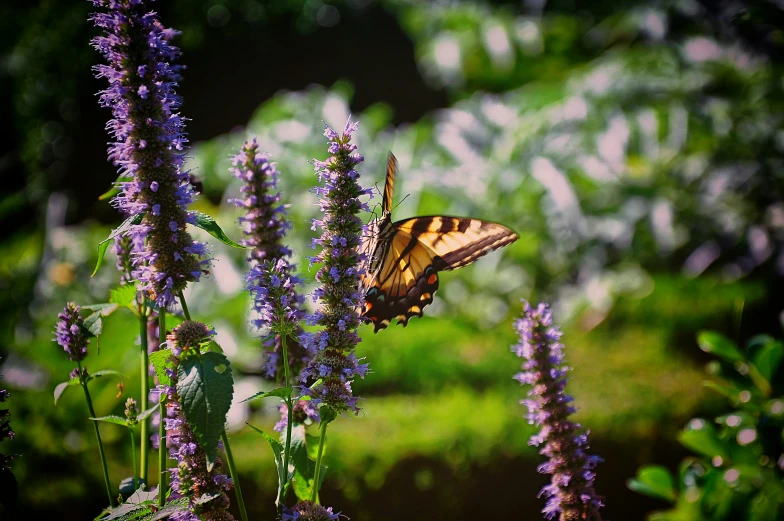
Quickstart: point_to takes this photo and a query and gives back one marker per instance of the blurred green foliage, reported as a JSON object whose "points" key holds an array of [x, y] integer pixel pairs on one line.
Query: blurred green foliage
{"points": [[636, 150]]}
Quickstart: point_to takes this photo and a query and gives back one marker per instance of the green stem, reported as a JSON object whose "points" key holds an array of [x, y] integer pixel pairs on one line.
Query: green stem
{"points": [[290, 407], [162, 423], [97, 434], [316, 477], [135, 460], [235, 478], [184, 306], [145, 379]]}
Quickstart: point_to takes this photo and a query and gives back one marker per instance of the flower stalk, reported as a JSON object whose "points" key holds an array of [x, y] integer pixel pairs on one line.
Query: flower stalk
{"points": [[91, 410], [162, 438]]}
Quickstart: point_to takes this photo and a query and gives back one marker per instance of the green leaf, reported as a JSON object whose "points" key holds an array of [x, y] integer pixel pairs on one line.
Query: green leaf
{"points": [[654, 481], [135, 506], [171, 507], [93, 324], [117, 420], [146, 414], [327, 414], [767, 356], [104, 372], [280, 392], [104, 309], [313, 443], [104, 244], [206, 387], [111, 192], [304, 466], [214, 347], [124, 296], [277, 451], [161, 360], [208, 224], [702, 438], [61, 387], [719, 345]]}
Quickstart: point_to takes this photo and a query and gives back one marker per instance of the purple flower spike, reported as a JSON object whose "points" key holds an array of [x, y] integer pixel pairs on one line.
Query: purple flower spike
{"points": [[70, 333], [339, 276], [148, 139], [307, 511], [205, 490], [122, 248], [277, 302], [570, 494]]}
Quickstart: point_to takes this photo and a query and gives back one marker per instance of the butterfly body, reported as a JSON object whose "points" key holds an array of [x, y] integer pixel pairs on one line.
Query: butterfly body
{"points": [[404, 257]]}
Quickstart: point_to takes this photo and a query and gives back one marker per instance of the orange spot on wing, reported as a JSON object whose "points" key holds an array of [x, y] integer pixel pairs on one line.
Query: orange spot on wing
{"points": [[368, 305], [432, 279]]}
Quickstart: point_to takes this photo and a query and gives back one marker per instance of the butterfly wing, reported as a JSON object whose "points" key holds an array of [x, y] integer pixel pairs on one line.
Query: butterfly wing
{"points": [[458, 241], [409, 254], [389, 183]]}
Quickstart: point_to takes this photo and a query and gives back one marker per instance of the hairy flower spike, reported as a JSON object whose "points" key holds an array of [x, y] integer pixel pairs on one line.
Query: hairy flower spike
{"points": [[206, 491], [70, 333], [122, 248], [570, 494], [148, 143], [339, 275], [277, 302], [307, 511]]}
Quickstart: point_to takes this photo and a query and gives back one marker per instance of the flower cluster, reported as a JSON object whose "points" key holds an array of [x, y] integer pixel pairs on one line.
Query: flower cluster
{"points": [[276, 301], [570, 493], [307, 511], [70, 333], [339, 275], [205, 490], [304, 412], [148, 140]]}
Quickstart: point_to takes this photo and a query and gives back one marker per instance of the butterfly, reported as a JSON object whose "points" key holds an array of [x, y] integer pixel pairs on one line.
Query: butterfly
{"points": [[403, 258]]}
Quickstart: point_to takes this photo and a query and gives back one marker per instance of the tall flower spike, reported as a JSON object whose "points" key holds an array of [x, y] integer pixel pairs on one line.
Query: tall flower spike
{"points": [[148, 143], [206, 491], [570, 494], [70, 333], [339, 276], [270, 277]]}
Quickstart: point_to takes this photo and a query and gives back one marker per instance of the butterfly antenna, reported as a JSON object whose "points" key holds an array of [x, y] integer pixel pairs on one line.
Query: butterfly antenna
{"points": [[401, 201]]}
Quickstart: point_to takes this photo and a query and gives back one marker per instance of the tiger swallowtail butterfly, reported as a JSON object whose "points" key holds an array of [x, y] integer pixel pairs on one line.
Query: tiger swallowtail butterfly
{"points": [[404, 258]]}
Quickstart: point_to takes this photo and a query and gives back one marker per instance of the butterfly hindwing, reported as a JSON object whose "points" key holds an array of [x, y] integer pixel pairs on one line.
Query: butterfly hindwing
{"points": [[405, 282]]}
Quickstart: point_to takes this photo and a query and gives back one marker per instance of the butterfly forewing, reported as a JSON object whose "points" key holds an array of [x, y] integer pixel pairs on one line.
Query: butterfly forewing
{"points": [[389, 183]]}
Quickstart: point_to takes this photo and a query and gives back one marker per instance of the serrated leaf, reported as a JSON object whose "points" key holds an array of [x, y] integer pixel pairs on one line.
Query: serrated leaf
{"points": [[208, 224], [702, 438], [135, 506], [104, 309], [104, 372], [127, 487], [719, 345], [206, 392], [124, 296], [207, 497], [146, 414], [277, 451], [171, 507], [104, 244], [280, 392], [117, 420], [161, 360], [61, 387], [654, 481]]}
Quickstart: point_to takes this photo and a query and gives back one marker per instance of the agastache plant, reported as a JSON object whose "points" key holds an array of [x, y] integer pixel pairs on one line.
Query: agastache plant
{"points": [[204, 487], [264, 226], [148, 144], [71, 334], [335, 365], [570, 494], [308, 511]]}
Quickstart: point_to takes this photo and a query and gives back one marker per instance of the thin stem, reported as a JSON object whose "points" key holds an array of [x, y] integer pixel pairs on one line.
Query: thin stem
{"points": [[316, 477], [135, 460], [145, 379], [290, 407], [162, 424], [184, 306], [97, 433], [235, 478]]}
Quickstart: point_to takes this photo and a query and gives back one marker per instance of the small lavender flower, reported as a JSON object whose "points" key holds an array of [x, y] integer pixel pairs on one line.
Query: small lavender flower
{"points": [[304, 412], [70, 333], [570, 493], [190, 478], [339, 275], [307, 511], [122, 248], [148, 140], [265, 225]]}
